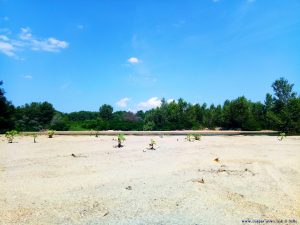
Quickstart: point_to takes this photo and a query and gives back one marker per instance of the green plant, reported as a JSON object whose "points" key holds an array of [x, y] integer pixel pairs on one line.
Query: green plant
{"points": [[190, 137], [51, 133], [197, 137], [34, 135], [152, 143], [10, 135], [121, 138], [281, 136]]}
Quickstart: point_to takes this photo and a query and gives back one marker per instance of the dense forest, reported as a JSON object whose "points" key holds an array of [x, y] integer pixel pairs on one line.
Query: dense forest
{"points": [[280, 111]]}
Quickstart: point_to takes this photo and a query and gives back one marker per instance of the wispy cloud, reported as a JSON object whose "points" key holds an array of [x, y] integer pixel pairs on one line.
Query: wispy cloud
{"points": [[28, 77], [179, 23], [27, 41], [65, 86], [80, 27], [123, 102], [6, 18], [49, 44], [149, 104], [5, 31], [4, 38], [7, 49]]}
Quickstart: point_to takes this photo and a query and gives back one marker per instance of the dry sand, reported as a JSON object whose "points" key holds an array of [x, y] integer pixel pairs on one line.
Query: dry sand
{"points": [[257, 177]]}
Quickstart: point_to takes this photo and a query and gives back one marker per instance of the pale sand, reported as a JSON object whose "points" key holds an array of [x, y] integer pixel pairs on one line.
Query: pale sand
{"points": [[258, 177]]}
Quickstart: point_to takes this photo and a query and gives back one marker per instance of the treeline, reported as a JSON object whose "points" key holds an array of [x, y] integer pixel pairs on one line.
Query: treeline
{"points": [[280, 111]]}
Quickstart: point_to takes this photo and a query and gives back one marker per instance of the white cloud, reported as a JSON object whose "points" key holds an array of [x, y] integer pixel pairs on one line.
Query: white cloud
{"points": [[26, 40], [25, 34], [29, 77], [7, 49], [48, 45], [149, 104], [123, 102], [133, 60]]}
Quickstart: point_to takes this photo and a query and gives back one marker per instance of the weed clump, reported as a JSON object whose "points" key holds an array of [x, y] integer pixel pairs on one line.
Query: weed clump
{"points": [[10, 135], [50, 133], [281, 136], [121, 139], [151, 144]]}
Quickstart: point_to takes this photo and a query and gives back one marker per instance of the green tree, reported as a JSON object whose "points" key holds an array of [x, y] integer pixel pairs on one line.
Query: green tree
{"points": [[34, 116], [283, 91], [59, 122], [6, 112], [237, 113], [106, 112], [282, 113]]}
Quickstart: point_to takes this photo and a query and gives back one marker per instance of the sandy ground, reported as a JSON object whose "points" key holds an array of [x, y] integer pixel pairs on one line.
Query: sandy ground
{"points": [[257, 177]]}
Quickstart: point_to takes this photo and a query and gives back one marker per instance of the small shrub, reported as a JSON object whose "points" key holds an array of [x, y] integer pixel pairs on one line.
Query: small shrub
{"points": [[152, 143], [50, 133], [10, 135], [190, 137], [121, 139], [281, 136]]}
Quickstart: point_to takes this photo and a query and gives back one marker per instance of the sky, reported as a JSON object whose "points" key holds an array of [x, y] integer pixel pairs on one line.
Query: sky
{"points": [[81, 54]]}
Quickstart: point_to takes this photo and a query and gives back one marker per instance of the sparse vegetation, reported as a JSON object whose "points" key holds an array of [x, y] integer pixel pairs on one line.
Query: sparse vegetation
{"points": [[34, 135], [50, 133], [281, 136], [190, 137], [10, 135], [121, 139], [151, 144]]}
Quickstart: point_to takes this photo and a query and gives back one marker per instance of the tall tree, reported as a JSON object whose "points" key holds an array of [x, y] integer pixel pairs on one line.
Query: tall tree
{"points": [[283, 91], [6, 112], [106, 112]]}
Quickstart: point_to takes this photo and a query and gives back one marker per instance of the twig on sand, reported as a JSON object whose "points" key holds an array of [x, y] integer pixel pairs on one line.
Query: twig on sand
{"points": [[201, 181], [77, 156]]}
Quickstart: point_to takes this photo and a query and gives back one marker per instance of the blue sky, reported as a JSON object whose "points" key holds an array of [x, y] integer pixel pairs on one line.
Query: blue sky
{"points": [[79, 55]]}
